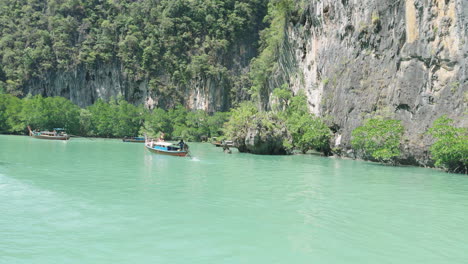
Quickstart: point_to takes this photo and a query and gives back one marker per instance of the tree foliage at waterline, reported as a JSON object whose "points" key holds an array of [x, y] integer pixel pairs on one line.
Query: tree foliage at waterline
{"points": [[116, 118], [450, 151], [378, 139]]}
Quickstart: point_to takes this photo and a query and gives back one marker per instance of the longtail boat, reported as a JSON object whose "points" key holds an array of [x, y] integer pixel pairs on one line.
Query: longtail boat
{"points": [[134, 139], [219, 143], [167, 148], [57, 134]]}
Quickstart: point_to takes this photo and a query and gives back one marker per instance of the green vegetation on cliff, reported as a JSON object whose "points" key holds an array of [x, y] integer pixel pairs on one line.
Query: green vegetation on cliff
{"points": [[240, 120], [289, 126], [178, 38], [270, 38], [172, 46], [308, 131], [257, 132]]}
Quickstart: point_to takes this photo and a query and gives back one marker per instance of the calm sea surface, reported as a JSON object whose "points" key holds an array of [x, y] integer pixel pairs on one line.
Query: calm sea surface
{"points": [[104, 201]]}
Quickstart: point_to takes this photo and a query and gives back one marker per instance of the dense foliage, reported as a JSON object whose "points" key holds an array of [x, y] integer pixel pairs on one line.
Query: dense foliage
{"points": [[50, 112], [175, 41], [378, 139], [240, 121], [258, 132], [308, 132], [10, 110], [179, 38], [116, 118], [38, 112], [450, 151], [180, 123], [271, 39]]}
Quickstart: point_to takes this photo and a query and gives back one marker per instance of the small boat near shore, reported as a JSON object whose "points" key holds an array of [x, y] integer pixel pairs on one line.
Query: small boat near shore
{"points": [[227, 143], [57, 134], [167, 148], [134, 139]]}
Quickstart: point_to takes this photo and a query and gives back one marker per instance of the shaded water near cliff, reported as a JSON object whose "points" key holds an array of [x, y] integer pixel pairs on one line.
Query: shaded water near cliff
{"points": [[104, 201]]}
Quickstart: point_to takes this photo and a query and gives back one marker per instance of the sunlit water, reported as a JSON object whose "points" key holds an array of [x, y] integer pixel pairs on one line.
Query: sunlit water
{"points": [[104, 201]]}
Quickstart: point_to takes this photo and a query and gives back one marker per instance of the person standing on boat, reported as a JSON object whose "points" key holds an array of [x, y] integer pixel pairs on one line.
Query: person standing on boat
{"points": [[181, 144], [161, 136]]}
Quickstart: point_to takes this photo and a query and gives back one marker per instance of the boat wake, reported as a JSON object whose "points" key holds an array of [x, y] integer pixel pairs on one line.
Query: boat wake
{"points": [[195, 159]]}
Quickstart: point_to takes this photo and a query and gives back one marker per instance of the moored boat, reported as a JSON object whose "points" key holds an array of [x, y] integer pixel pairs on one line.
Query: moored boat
{"points": [[217, 143], [134, 139], [57, 134], [223, 143], [167, 148]]}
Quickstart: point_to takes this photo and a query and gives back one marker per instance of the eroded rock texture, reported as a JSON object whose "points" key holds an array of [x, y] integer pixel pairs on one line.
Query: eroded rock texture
{"points": [[405, 59], [84, 85]]}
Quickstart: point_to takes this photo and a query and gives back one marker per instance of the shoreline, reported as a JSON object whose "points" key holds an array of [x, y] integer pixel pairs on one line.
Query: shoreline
{"points": [[312, 153]]}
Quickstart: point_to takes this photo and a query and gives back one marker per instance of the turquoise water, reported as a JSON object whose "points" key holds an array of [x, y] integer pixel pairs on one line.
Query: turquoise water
{"points": [[104, 201]]}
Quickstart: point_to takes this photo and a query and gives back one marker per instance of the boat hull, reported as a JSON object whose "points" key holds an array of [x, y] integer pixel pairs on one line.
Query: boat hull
{"points": [[131, 140], [167, 152], [51, 137], [220, 144]]}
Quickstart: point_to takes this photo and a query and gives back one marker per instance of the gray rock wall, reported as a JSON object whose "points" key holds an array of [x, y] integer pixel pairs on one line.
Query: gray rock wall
{"points": [[404, 59], [83, 85]]}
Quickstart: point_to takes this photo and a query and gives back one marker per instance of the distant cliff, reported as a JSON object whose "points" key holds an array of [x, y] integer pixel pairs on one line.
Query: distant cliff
{"points": [[159, 53], [84, 84], [404, 59]]}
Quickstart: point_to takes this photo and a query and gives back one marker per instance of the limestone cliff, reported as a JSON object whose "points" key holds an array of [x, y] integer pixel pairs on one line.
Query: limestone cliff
{"points": [[354, 59], [84, 85], [406, 59], [159, 53]]}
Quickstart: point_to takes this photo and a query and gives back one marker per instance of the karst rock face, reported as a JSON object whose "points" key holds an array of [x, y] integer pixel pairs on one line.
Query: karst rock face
{"points": [[357, 59], [354, 59], [84, 84], [156, 53]]}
